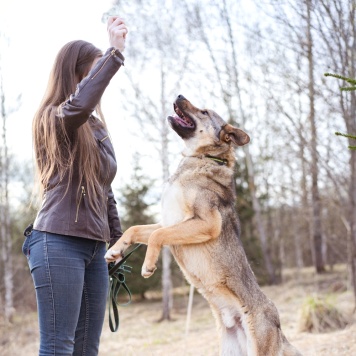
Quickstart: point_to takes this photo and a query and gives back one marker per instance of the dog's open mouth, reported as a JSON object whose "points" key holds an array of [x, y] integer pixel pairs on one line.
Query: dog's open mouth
{"points": [[181, 119], [182, 122]]}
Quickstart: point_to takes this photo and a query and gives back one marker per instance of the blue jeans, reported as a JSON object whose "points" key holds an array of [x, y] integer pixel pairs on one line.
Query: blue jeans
{"points": [[71, 280]]}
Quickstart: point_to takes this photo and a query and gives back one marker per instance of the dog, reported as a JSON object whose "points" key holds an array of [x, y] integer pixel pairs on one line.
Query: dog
{"points": [[201, 226]]}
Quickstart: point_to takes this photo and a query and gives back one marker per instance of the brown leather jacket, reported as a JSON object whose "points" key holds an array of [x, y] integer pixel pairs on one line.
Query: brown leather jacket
{"points": [[63, 211]]}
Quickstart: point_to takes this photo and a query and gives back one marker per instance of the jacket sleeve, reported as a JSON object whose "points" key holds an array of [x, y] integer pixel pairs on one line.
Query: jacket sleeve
{"points": [[77, 110], [114, 220]]}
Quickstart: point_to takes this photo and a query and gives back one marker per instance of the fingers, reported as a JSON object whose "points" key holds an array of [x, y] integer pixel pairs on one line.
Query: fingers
{"points": [[118, 24], [112, 256], [118, 20], [119, 31]]}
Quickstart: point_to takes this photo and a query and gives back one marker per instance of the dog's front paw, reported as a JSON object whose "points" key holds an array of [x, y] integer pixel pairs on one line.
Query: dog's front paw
{"points": [[116, 252], [147, 272], [113, 256]]}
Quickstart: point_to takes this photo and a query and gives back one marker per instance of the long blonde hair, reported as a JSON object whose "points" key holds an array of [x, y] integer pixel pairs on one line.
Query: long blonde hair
{"points": [[55, 151]]}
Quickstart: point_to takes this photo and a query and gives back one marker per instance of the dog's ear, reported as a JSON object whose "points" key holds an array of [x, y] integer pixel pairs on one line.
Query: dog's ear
{"points": [[232, 134]]}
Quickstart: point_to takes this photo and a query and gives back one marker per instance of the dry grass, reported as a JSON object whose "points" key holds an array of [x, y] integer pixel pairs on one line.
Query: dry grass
{"points": [[321, 315], [141, 334]]}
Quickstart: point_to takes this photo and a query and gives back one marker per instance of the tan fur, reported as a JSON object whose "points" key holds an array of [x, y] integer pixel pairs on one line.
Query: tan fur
{"points": [[200, 224]]}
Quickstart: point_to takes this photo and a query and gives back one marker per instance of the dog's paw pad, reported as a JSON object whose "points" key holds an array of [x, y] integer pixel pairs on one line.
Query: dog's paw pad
{"points": [[146, 273]]}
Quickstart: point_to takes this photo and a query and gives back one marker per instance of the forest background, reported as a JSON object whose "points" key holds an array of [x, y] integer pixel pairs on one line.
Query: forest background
{"points": [[261, 66]]}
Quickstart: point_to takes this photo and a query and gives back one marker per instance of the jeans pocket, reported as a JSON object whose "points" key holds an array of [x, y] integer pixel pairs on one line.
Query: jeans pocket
{"points": [[26, 245]]}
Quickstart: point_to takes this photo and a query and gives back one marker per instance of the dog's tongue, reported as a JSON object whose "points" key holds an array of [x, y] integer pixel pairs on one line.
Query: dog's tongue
{"points": [[183, 121]]}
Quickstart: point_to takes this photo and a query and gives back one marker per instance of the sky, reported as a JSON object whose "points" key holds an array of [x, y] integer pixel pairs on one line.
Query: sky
{"points": [[34, 32]]}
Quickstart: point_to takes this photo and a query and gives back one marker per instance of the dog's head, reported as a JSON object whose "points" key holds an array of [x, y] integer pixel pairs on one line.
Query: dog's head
{"points": [[203, 130]]}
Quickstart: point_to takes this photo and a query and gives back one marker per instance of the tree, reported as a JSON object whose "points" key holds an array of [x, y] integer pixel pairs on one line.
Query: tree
{"points": [[7, 223], [246, 215], [6, 240], [294, 22], [316, 204], [133, 198], [336, 27], [352, 147], [136, 211], [22, 213]]}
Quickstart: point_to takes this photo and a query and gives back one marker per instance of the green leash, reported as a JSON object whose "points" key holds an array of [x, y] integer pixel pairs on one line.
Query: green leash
{"points": [[117, 279]]}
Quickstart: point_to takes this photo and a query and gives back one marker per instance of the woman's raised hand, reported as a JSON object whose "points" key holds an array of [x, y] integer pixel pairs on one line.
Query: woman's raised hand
{"points": [[117, 31]]}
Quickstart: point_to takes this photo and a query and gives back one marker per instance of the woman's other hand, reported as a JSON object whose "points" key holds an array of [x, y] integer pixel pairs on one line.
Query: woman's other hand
{"points": [[117, 31]]}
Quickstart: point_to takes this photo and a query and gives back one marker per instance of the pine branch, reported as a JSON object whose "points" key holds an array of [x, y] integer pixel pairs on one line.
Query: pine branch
{"points": [[348, 80], [347, 88], [352, 87], [345, 135]]}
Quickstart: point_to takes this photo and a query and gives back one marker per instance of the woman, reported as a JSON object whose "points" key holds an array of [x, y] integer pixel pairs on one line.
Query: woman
{"points": [[78, 216]]}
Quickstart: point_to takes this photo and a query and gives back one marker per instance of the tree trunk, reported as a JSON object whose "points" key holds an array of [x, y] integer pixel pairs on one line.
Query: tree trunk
{"points": [[250, 168], [167, 295], [258, 218], [353, 220], [296, 223], [5, 240], [352, 130], [316, 204]]}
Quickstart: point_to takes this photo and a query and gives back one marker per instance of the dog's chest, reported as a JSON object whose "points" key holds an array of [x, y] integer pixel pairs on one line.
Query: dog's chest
{"points": [[173, 204]]}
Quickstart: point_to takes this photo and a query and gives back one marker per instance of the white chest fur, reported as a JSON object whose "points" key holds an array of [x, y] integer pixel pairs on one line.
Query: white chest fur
{"points": [[173, 206]]}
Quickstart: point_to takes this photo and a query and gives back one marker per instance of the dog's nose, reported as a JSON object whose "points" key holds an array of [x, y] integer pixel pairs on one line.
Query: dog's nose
{"points": [[180, 97]]}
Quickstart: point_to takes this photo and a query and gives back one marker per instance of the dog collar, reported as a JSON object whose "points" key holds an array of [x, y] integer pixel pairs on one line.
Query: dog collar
{"points": [[220, 161]]}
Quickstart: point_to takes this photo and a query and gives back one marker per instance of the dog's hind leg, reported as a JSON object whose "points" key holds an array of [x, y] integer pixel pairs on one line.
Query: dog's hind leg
{"points": [[288, 349], [233, 339]]}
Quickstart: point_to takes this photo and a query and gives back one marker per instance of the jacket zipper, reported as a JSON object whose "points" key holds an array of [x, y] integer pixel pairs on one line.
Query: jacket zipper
{"points": [[111, 54], [82, 195]]}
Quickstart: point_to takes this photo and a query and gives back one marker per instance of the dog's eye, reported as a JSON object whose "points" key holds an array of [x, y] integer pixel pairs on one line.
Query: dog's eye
{"points": [[204, 112]]}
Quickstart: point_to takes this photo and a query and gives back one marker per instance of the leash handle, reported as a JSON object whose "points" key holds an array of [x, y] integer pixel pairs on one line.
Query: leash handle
{"points": [[117, 279]]}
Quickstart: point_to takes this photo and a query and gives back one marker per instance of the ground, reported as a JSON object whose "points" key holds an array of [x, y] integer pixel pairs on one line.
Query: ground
{"points": [[141, 334]]}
